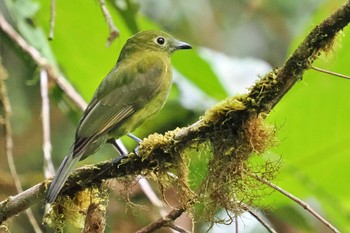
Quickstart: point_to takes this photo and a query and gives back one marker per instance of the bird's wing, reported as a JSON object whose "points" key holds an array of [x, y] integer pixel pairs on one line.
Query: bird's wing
{"points": [[124, 91]]}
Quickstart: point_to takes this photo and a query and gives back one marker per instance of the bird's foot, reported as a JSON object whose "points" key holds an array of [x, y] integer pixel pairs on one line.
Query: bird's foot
{"points": [[136, 150], [122, 150], [136, 139], [117, 159]]}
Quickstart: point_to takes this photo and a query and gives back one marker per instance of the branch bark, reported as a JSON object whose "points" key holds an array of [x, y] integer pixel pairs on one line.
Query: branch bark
{"points": [[168, 220], [259, 101]]}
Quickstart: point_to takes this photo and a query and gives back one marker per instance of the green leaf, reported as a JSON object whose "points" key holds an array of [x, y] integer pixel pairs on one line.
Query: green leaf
{"points": [[314, 133]]}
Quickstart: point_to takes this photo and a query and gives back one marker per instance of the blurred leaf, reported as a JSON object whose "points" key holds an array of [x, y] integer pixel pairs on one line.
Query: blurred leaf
{"points": [[128, 10], [79, 42], [22, 12], [295, 216], [314, 133], [198, 71]]}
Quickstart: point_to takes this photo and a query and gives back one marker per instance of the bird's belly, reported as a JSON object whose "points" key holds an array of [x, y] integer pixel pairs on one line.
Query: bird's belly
{"points": [[136, 119]]}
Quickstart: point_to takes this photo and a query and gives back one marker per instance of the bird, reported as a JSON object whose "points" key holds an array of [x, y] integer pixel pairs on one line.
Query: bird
{"points": [[133, 91]]}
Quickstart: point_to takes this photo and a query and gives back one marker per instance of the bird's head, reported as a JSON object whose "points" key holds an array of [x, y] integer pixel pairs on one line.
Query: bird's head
{"points": [[153, 40]]}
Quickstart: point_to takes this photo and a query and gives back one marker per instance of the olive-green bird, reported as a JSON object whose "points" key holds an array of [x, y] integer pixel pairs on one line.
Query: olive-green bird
{"points": [[134, 90]]}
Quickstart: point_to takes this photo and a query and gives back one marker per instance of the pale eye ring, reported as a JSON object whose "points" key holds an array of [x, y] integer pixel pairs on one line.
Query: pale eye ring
{"points": [[160, 40]]}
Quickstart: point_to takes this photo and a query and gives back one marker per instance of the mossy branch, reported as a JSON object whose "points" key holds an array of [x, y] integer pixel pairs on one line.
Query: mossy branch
{"points": [[236, 120]]}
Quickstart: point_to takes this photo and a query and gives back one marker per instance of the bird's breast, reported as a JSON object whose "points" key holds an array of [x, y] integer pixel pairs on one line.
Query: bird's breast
{"points": [[150, 91]]}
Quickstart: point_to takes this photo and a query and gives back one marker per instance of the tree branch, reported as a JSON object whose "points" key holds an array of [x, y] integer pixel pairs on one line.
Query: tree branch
{"points": [[22, 201], [168, 220]]}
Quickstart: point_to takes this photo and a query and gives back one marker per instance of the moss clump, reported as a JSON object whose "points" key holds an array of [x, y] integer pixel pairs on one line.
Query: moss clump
{"points": [[234, 134], [74, 210], [169, 166], [223, 109], [227, 185]]}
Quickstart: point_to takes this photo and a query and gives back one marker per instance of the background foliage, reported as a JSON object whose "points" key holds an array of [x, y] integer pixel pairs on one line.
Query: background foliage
{"points": [[312, 117]]}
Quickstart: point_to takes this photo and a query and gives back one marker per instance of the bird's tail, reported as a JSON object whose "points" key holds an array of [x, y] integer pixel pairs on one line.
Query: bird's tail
{"points": [[61, 176]]}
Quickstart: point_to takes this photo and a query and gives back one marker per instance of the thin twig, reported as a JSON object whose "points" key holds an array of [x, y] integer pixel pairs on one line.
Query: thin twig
{"points": [[48, 166], [162, 222], [330, 72], [5, 102], [262, 221], [151, 195], [296, 200], [176, 228], [113, 31], [236, 224], [52, 19]]}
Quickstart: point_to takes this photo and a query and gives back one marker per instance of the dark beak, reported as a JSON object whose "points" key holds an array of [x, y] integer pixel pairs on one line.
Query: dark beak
{"points": [[182, 45]]}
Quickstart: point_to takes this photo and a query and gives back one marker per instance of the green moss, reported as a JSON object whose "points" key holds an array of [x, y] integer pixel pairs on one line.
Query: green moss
{"points": [[223, 108], [73, 210]]}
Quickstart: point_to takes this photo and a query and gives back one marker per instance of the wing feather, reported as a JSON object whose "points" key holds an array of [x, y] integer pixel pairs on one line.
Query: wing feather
{"points": [[125, 90]]}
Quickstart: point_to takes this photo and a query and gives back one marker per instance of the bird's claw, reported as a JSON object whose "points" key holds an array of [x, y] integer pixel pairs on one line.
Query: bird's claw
{"points": [[136, 150], [136, 139]]}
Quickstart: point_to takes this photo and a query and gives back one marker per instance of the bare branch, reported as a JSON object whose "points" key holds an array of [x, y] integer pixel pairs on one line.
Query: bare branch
{"points": [[330, 72], [262, 221], [168, 220], [236, 224], [177, 228], [52, 19], [113, 31], [296, 200], [45, 112], [22, 201], [5, 102]]}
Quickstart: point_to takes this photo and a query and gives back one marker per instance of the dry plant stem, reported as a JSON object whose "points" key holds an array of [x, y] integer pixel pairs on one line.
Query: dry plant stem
{"points": [[168, 220], [297, 200], [45, 112], [52, 19], [113, 31], [262, 221], [151, 195], [9, 146], [330, 72]]}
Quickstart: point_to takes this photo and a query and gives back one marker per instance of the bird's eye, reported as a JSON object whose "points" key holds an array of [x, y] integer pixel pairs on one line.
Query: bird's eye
{"points": [[160, 40]]}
